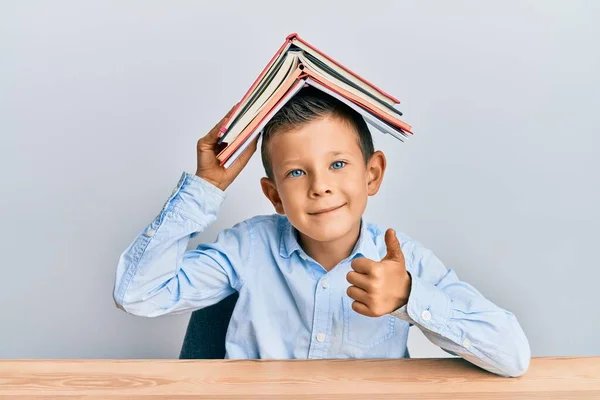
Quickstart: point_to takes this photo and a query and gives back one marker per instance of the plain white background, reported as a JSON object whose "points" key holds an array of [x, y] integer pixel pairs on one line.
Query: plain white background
{"points": [[102, 102]]}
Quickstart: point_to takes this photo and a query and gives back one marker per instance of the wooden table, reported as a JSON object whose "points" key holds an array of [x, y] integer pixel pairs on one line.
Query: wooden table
{"points": [[446, 378]]}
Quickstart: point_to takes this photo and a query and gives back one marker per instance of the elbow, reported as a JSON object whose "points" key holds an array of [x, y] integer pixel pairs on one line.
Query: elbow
{"points": [[137, 300], [117, 297], [521, 361], [518, 358], [508, 367], [521, 353], [134, 305], [143, 304], [139, 308], [121, 303], [511, 361], [516, 352], [520, 368]]}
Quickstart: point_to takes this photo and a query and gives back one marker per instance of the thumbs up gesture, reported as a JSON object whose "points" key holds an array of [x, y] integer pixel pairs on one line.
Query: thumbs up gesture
{"points": [[379, 288]]}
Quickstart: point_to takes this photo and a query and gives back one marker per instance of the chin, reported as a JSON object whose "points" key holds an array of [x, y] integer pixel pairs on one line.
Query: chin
{"points": [[327, 229]]}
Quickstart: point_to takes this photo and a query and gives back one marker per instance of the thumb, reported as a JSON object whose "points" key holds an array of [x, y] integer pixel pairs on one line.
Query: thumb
{"points": [[394, 251], [212, 137]]}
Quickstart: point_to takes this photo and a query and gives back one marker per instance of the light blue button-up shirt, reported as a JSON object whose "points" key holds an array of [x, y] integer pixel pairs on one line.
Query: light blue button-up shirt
{"points": [[289, 306]]}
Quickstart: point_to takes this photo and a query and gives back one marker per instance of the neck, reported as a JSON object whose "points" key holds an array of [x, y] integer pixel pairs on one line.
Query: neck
{"points": [[330, 253]]}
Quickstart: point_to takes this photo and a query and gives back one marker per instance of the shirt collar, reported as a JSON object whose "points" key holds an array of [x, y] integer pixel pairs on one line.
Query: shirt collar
{"points": [[365, 246]]}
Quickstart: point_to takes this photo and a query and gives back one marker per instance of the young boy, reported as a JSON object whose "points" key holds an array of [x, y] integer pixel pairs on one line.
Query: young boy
{"points": [[315, 280]]}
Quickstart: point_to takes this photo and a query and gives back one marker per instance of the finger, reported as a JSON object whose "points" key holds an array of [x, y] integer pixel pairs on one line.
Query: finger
{"points": [[357, 279], [394, 250], [358, 294], [362, 265], [361, 308], [220, 147], [213, 135]]}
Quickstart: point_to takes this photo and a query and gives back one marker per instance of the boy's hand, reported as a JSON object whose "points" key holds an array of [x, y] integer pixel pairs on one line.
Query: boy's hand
{"points": [[380, 287], [209, 167]]}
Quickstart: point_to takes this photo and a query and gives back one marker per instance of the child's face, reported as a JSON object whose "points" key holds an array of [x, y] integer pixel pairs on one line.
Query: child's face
{"points": [[321, 181]]}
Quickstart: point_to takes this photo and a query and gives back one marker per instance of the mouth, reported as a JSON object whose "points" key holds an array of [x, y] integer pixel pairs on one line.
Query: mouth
{"points": [[327, 210]]}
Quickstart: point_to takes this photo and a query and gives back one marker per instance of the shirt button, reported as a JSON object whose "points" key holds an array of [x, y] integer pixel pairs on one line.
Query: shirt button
{"points": [[150, 232], [325, 283], [426, 315], [466, 343], [321, 337]]}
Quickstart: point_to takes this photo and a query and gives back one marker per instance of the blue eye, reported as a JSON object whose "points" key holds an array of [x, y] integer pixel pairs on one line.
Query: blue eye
{"points": [[338, 164], [296, 173]]}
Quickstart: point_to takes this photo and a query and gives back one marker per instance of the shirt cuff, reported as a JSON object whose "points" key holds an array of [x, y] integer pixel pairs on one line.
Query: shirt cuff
{"points": [[427, 306], [196, 198]]}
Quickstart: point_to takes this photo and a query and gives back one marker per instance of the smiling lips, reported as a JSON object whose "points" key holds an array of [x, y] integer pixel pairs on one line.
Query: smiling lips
{"points": [[327, 210]]}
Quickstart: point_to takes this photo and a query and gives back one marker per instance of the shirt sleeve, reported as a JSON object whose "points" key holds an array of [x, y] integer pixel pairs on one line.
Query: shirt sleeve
{"points": [[156, 275], [456, 317]]}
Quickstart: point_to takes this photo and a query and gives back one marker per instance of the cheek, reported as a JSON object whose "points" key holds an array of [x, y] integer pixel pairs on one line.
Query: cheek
{"points": [[290, 196], [357, 198], [355, 186]]}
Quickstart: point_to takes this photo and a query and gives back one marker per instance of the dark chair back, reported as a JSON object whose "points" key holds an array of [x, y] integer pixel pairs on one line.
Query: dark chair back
{"points": [[205, 334]]}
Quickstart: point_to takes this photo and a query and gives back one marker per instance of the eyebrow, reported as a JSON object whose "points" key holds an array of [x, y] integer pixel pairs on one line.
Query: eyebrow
{"points": [[331, 153]]}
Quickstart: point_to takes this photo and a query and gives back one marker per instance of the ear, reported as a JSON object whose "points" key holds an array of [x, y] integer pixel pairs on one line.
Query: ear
{"points": [[270, 191], [375, 171]]}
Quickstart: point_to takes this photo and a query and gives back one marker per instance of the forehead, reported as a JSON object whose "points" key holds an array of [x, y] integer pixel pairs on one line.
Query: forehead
{"points": [[317, 139]]}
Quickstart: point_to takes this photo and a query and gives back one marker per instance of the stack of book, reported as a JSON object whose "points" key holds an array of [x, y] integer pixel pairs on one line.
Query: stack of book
{"points": [[295, 65]]}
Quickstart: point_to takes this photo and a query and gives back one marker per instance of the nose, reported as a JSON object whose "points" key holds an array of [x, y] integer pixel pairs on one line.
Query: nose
{"points": [[319, 186]]}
